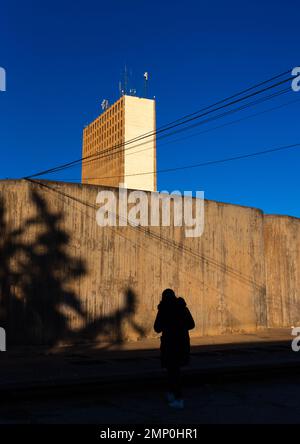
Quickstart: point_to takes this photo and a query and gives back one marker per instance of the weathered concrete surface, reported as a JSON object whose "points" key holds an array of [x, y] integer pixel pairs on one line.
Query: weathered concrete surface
{"points": [[62, 276], [282, 258]]}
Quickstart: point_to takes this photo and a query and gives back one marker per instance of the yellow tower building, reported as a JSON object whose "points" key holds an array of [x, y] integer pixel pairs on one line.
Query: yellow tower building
{"points": [[110, 157]]}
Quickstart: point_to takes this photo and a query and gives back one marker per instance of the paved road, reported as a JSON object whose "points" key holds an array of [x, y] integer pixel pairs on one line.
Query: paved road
{"points": [[275, 400], [83, 366]]}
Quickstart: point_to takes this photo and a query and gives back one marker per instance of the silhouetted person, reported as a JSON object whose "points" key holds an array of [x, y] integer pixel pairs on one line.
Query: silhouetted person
{"points": [[174, 321]]}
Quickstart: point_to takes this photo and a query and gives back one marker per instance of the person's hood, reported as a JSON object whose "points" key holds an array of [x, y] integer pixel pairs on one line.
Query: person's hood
{"points": [[181, 301], [172, 303]]}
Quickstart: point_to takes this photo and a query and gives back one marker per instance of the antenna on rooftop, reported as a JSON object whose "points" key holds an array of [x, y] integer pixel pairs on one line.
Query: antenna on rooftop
{"points": [[146, 77], [124, 86], [125, 80]]}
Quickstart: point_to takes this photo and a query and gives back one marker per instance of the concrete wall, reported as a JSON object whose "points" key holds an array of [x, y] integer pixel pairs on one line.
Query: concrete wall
{"points": [[64, 278], [282, 256]]}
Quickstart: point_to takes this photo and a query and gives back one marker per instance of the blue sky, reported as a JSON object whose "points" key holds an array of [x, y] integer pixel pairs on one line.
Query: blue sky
{"points": [[62, 58]]}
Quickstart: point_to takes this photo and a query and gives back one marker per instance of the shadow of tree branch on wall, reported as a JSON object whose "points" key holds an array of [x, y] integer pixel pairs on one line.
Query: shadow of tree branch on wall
{"points": [[10, 246], [36, 276], [111, 328]]}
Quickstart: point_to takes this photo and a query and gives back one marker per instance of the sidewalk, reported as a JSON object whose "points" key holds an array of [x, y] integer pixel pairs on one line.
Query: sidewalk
{"points": [[33, 371]]}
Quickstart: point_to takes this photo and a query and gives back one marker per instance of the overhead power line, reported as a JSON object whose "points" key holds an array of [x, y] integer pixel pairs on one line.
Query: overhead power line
{"points": [[230, 97], [205, 131], [176, 123], [179, 130], [121, 145], [208, 163], [232, 122]]}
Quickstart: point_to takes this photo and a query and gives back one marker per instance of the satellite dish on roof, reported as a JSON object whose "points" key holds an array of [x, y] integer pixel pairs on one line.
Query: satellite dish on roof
{"points": [[104, 104]]}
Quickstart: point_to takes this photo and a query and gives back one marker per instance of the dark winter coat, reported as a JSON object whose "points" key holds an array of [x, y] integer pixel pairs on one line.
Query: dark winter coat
{"points": [[174, 321]]}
